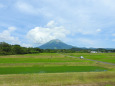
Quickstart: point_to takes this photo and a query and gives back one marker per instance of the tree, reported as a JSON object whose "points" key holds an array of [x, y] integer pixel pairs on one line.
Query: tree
{"points": [[16, 49], [5, 48]]}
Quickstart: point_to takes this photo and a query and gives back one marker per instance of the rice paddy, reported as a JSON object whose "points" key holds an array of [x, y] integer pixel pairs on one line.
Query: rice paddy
{"points": [[105, 57], [52, 69]]}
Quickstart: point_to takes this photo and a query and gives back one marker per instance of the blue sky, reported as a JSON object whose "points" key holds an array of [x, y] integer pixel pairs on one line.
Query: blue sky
{"points": [[81, 23]]}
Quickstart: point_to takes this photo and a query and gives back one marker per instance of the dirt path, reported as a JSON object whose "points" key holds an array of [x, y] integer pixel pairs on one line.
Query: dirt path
{"points": [[91, 60]]}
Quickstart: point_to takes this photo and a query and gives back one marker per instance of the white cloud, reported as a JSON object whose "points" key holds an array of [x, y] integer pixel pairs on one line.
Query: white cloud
{"points": [[51, 24], [87, 42], [26, 45], [79, 16], [109, 3], [113, 34], [25, 7], [98, 30], [7, 37], [86, 31], [11, 29], [28, 8], [42, 35]]}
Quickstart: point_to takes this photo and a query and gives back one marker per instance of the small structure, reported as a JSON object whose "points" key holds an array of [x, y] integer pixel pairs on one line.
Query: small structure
{"points": [[93, 52], [81, 57]]}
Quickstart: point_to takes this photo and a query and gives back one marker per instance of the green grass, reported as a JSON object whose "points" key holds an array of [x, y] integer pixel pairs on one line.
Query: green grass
{"points": [[108, 85], [105, 57], [53, 69], [37, 60]]}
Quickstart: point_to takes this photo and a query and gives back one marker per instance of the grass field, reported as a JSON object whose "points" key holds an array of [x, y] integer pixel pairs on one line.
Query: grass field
{"points": [[105, 57], [52, 69]]}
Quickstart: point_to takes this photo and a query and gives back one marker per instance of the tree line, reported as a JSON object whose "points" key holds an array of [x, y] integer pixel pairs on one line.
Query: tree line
{"points": [[8, 49]]}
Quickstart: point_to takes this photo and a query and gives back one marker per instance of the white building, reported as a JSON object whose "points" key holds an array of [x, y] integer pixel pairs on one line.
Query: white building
{"points": [[93, 52]]}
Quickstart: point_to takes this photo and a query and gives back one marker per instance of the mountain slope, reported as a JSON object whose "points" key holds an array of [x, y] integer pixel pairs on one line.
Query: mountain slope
{"points": [[55, 44]]}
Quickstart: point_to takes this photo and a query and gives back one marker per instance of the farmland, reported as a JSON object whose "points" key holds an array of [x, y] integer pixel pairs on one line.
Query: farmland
{"points": [[52, 69], [105, 57]]}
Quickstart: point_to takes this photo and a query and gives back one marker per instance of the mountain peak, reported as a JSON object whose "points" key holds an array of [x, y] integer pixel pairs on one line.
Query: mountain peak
{"points": [[55, 40], [55, 44]]}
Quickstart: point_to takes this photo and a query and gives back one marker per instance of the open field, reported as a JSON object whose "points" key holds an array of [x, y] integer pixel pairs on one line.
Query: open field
{"points": [[48, 69], [54, 69], [105, 57]]}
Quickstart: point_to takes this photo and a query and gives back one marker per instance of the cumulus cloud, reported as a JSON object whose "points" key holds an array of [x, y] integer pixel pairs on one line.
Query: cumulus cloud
{"points": [[7, 37], [81, 17], [42, 35]]}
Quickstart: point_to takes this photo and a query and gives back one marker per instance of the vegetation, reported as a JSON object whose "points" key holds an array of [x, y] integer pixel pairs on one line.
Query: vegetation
{"points": [[104, 57], [54, 69], [7, 49], [21, 66]]}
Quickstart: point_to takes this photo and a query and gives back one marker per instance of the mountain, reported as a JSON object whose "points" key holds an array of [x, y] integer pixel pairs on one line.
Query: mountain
{"points": [[55, 44]]}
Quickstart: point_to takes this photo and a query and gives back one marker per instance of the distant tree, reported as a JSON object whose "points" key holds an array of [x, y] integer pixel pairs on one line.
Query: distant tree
{"points": [[102, 50], [5, 48], [17, 49]]}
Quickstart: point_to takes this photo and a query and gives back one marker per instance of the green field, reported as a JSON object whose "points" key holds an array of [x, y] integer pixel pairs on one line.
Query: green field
{"points": [[105, 57], [52, 69], [36, 60]]}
